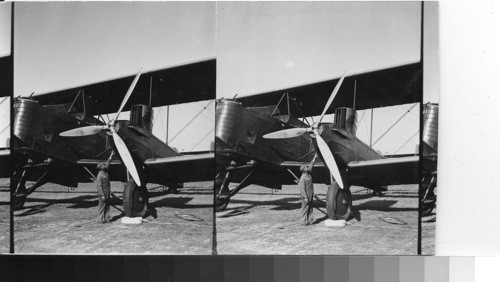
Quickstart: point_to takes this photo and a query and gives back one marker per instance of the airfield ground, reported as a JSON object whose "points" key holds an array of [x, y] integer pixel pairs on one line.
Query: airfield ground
{"points": [[429, 234], [59, 220], [262, 221], [257, 221], [4, 215]]}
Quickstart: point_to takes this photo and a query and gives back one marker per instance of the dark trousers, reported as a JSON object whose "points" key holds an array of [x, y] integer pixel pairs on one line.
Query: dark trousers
{"points": [[103, 209], [306, 211]]}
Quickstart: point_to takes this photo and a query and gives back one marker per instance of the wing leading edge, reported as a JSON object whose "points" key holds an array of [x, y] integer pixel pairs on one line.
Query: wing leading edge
{"points": [[381, 88], [382, 172], [174, 85], [185, 168], [370, 174]]}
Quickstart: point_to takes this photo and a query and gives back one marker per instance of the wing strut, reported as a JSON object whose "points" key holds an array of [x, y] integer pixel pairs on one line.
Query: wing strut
{"points": [[189, 122], [394, 124]]}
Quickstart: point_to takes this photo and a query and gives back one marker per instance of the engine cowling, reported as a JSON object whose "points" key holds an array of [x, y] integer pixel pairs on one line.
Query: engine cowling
{"points": [[430, 129]]}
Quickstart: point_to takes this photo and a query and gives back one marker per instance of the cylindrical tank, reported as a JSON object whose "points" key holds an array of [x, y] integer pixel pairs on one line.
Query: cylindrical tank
{"points": [[430, 134], [142, 116], [26, 118], [229, 120], [346, 118]]}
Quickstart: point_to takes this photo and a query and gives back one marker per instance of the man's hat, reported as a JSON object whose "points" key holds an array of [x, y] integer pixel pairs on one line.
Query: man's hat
{"points": [[305, 168]]}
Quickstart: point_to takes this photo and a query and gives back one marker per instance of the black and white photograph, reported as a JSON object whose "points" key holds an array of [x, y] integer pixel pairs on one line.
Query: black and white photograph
{"points": [[113, 128], [5, 96], [430, 117], [317, 127]]}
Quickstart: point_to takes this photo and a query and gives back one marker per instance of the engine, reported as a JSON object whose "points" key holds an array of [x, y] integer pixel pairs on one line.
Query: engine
{"points": [[430, 130], [346, 118], [142, 116], [27, 121]]}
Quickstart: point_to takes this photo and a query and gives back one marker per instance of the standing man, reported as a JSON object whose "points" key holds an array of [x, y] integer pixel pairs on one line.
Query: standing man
{"points": [[307, 192], [103, 190]]}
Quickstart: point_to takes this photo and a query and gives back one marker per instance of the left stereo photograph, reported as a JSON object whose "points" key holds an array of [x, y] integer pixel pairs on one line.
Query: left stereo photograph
{"points": [[112, 125]]}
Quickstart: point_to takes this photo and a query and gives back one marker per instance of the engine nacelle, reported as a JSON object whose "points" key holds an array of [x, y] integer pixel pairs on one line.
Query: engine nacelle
{"points": [[346, 118], [430, 130], [142, 116]]}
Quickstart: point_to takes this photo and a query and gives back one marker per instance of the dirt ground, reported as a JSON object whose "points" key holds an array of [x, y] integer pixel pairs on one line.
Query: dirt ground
{"points": [[429, 234], [4, 215], [57, 219], [258, 220], [262, 221]]}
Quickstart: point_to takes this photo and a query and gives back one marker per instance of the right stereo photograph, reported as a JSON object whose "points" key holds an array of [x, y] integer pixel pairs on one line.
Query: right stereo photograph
{"points": [[326, 128]]}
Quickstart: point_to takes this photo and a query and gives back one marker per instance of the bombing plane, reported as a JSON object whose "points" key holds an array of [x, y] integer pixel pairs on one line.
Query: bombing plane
{"points": [[260, 145], [59, 141]]}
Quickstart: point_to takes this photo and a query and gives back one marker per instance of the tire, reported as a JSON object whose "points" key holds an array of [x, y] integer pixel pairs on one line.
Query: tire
{"points": [[338, 202], [135, 200]]}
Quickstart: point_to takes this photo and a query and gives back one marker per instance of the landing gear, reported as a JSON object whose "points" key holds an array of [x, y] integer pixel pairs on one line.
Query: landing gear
{"points": [[222, 189], [377, 193], [18, 202], [18, 185], [338, 202], [222, 192], [428, 200], [135, 199]]}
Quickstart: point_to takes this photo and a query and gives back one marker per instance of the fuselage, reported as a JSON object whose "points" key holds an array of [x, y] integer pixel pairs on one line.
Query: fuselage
{"points": [[36, 140], [239, 132]]}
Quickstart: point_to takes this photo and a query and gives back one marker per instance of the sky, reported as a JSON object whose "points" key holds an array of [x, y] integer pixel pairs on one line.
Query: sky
{"points": [[63, 45], [5, 20], [268, 46], [5, 28], [259, 47]]}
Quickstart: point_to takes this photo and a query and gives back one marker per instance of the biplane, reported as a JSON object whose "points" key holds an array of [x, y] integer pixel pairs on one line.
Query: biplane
{"points": [[264, 143], [59, 137]]}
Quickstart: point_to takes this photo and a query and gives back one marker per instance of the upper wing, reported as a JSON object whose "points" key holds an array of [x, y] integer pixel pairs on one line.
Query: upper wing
{"points": [[6, 76], [174, 85], [389, 171], [186, 168], [380, 88]]}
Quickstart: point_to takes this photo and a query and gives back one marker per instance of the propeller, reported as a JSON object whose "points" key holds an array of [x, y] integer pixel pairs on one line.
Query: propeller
{"points": [[287, 133], [323, 147], [83, 131], [120, 145]]}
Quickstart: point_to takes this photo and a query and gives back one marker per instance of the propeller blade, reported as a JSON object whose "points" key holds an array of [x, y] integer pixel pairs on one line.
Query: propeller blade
{"points": [[332, 96], [286, 133], [126, 157], [82, 131], [129, 92], [330, 160]]}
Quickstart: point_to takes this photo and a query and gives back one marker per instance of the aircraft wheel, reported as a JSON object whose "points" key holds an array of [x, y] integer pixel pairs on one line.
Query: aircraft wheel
{"points": [[18, 202], [135, 200], [377, 193], [220, 204], [338, 202]]}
